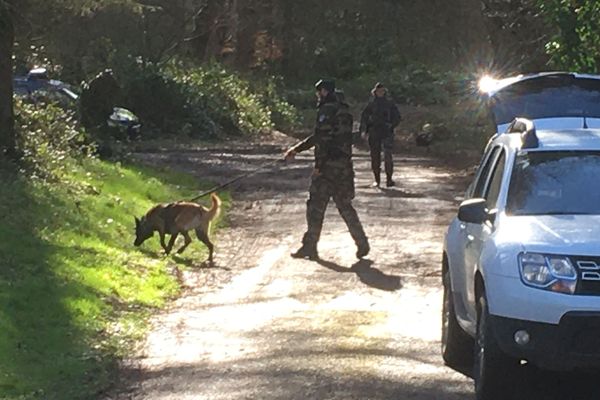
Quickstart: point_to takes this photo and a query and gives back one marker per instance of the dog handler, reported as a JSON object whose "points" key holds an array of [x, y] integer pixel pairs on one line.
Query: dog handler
{"points": [[333, 175]]}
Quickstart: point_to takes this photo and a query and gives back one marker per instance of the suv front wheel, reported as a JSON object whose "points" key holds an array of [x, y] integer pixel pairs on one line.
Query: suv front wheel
{"points": [[457, 346], [493, 370]]}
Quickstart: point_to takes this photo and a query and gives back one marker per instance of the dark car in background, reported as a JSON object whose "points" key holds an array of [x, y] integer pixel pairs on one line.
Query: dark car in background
{"points": [[37, 85]]}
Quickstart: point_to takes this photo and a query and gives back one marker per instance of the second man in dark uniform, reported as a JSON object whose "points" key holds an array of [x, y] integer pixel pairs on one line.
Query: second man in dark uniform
{"points": [[378, 121]]}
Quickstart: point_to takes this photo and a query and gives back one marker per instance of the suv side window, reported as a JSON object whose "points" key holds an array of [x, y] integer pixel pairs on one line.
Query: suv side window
{"points": [[493, 190], [479, 185]]}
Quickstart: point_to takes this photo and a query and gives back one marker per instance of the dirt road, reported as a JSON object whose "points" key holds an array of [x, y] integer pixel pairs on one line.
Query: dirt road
{"points": [[266, 326]]}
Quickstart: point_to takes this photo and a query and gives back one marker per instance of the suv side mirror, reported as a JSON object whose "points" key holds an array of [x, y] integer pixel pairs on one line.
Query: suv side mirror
{"points": [[474, 211]]}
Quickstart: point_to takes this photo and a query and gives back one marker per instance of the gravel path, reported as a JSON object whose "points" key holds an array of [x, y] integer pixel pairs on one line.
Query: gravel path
{"points": [[266, 326]]}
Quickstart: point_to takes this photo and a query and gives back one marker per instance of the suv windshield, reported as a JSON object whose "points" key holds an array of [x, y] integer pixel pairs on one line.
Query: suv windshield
{"points": [[558, 182]]}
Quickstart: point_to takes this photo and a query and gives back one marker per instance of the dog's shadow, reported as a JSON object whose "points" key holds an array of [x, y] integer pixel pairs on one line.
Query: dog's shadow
{"points": [[367, 274], [150, 254], [190, 263], [193, 264]]}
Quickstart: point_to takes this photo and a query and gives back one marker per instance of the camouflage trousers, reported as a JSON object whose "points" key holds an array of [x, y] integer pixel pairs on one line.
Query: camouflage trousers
{"points": [[339, 185], [377, 142]]}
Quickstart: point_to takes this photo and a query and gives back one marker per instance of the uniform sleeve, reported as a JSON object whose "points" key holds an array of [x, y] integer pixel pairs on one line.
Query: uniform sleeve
{"points": [[326, 120], [395, 115], [306, 144], [364, 118]]}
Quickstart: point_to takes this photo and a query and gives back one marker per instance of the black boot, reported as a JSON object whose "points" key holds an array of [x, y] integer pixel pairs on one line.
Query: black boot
{"points": [[377, 181], [363, 249], [390, 182], [306, 252]]}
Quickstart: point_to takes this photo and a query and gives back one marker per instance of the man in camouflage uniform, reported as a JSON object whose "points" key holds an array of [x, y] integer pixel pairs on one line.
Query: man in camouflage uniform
{"points": [[378, 121], [333, 176]]}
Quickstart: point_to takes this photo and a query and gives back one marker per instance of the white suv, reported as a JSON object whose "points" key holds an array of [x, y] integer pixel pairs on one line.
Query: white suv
{"points": [[521, 262]]}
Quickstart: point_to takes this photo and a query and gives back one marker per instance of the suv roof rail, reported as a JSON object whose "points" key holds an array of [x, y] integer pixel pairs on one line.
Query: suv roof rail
{"points": [[526, 128]]}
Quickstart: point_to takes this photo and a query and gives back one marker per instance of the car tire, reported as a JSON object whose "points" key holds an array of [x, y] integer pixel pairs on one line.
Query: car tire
{"points": [[493, 371], [457, 345]]}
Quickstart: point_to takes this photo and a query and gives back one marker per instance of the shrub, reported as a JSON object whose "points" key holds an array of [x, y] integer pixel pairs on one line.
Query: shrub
{"points": [[49, 138], [413, 84], [284, 115], [226, 97], [203, 101]]}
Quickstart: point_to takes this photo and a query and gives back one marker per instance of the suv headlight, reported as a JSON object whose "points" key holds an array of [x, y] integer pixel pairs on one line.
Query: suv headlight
{"points": [[548, 272]]}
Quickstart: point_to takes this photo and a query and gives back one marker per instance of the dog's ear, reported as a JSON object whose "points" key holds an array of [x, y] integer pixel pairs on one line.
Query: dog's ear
{"points": [[137, 221]]}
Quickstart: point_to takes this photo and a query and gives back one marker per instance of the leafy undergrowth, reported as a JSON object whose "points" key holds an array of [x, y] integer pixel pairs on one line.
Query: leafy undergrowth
{"points": [[74, 292]]}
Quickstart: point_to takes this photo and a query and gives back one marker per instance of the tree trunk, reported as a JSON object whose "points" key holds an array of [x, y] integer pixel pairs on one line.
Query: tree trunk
{"points": [[204, 24], [285, 32], [248, 19], [7, 38], [233, 28]]}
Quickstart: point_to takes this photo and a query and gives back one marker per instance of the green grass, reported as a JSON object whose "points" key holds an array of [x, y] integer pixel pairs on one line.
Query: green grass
{"points": [[74, 292]]}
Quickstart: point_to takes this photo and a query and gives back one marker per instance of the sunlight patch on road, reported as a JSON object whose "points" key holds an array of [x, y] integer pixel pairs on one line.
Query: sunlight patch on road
{"points": [[417, 315], [210, 328], [411, 313], [246, 282], [215, 333], [389, 334], [351, 301], [227, 342], [279, 288]]}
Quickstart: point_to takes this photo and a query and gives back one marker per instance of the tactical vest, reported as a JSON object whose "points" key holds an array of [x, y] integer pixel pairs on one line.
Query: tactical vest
{"points": [[380, 113], [334, 147]]}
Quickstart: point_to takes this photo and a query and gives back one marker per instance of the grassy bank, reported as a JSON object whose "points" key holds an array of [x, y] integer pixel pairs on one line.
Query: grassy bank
{"points": [[74, 292]]}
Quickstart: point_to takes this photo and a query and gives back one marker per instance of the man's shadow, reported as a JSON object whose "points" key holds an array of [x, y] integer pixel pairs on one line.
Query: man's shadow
{"points": [[367, 274]]}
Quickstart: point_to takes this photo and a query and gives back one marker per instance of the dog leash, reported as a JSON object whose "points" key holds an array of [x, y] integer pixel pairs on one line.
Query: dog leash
{"points": [[234, 180]]}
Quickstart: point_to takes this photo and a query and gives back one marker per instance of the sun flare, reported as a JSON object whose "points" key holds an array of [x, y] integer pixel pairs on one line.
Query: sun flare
{"points": [[487, 84]]}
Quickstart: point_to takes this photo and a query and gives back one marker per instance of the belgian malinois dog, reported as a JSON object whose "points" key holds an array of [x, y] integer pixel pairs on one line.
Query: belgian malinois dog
{"points": [[178, 218]]}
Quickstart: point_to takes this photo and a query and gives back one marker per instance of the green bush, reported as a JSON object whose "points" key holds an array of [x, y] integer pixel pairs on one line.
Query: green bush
{"points": [[419, 85], [225, 96], [284, 115], [49, 138], [203, 101], [161, 103], [413, 84], [302, 98]]}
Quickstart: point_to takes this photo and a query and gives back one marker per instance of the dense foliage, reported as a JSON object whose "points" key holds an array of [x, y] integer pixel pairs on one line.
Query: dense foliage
{"points": [[575, 45], [49, 138], [179, 98], [206, 67]]}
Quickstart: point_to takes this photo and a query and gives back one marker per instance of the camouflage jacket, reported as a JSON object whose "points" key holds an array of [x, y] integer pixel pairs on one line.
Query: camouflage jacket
{"points": [[332, 138]]}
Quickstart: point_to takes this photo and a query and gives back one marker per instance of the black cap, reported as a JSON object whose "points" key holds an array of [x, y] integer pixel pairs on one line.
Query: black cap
{"points": [[327, 84]]}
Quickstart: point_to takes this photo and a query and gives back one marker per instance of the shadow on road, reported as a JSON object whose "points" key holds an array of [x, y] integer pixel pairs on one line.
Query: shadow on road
{"points": [[367, 274], [532, 383], [399, 193], [198, 264], [275, 383]]}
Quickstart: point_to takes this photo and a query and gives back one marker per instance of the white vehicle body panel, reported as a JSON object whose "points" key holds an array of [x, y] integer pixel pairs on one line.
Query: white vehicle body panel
{"points": [[493, 251]]}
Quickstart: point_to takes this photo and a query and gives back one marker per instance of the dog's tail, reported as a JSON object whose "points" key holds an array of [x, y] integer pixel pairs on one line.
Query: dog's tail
{"points": [[215, 209]]}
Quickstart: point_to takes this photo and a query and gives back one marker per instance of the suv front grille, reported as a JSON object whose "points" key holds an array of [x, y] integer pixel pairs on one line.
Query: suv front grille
{"points": [[588, 271]]}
